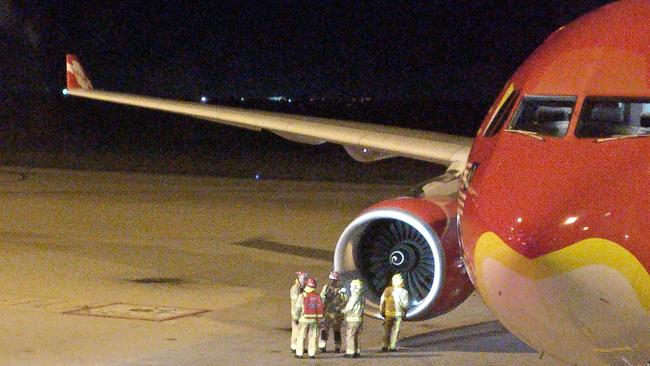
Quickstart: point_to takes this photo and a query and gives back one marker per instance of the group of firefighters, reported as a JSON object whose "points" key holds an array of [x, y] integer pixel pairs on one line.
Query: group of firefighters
{"points": [[314, 314]]}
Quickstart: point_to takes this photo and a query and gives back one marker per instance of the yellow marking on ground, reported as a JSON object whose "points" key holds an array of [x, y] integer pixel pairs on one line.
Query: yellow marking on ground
{"points": [[592, 251]]}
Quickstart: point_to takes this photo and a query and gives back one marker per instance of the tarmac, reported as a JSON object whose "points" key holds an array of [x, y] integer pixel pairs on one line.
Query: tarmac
{"points": [[136, 269]]}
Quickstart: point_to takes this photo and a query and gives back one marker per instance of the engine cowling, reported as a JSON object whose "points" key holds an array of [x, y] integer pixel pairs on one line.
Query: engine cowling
{"points": [[417, 237]]}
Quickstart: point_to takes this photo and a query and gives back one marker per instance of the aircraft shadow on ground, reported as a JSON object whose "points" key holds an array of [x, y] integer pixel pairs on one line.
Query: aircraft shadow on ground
{"points": [[271, 246], [482, 337]]}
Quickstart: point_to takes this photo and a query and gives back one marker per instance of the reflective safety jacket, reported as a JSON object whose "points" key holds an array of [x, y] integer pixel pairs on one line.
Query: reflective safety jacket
{"points": [[353, 309], [293, 295], [333, 299], [394, 302], [303, 313]]}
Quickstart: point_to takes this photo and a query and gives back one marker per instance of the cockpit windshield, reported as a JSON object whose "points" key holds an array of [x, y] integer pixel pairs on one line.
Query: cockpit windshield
{"points": [[613, 117], [544, 115]]}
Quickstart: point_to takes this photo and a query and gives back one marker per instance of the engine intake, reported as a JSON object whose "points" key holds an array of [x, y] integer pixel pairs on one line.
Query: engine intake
{"points": [[416, 237]]}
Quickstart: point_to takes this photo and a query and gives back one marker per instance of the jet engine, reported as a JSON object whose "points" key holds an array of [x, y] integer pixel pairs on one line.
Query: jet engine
{"points": [[416, 237]]}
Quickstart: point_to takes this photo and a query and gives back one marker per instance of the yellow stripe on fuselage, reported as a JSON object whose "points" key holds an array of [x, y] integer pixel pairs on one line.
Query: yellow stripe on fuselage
{"points": [[592, 251]]}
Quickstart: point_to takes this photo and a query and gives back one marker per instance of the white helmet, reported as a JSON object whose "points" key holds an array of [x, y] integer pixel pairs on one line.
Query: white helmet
{"points": [[356, 285], [397, 280]]}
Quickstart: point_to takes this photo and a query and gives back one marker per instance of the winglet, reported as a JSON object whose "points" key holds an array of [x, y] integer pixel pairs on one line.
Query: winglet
{"points": [[75, 75]]}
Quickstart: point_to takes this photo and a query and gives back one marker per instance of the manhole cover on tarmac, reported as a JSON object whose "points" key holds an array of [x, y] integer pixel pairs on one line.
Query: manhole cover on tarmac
{"points": [[139, 312]]}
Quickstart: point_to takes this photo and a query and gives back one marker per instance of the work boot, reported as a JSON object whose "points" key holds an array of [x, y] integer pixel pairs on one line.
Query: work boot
{"points": [[384, 349], [356, 355], [322, 350], [337, 350]]}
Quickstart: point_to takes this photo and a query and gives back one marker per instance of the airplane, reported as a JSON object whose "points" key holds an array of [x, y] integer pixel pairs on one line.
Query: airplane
{"points": [[543, 212]]}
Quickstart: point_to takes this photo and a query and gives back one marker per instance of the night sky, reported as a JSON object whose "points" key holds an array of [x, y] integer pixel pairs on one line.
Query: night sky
{"points": [[426, 64], [452, 49]]}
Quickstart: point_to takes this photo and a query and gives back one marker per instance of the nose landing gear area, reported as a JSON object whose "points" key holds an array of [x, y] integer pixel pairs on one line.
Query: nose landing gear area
{"points": [[74, 241]]}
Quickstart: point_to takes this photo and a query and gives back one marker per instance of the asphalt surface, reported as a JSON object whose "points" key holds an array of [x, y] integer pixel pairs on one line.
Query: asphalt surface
{"points": [[209, 263]]}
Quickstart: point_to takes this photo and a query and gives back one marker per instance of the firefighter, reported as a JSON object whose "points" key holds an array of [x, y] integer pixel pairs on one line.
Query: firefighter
{"points": [[333, 318], [392, 306], [353, 311], [309, 311], [296, 289]]}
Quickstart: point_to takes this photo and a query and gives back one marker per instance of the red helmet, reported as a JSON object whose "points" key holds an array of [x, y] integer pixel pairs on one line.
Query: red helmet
{"points": [[311, 282]]}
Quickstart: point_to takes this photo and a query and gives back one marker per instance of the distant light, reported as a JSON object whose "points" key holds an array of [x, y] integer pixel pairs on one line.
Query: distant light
{"points": [[571, 220], [289, 100], [585, 228], [627, 236], [64, 91], [365, 150], [278, 98], [204, 99], [258, 176], [608, 214], [242, 99], [519, 220]]}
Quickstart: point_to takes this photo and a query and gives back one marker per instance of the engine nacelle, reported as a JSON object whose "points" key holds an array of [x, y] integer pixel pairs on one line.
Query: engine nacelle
{"points": [[417, 237]]}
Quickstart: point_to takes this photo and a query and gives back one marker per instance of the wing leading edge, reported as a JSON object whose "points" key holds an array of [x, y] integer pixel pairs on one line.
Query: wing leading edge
{"points": [[364, 142]]}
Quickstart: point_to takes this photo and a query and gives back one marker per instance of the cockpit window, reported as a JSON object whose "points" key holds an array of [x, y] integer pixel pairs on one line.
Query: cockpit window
{"points": [[504, 108], [544, 115], [612, 117]]}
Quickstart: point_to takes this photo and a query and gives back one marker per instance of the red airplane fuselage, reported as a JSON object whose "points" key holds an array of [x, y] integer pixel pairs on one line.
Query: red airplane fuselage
{"points": [[553, 214]]}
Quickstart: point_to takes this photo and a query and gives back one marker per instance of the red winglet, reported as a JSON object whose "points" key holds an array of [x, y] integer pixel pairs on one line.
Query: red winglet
{"points": [[75, 75]]}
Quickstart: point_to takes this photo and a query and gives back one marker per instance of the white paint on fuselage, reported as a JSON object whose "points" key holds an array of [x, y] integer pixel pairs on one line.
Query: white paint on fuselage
{"points": [[592, 313]]}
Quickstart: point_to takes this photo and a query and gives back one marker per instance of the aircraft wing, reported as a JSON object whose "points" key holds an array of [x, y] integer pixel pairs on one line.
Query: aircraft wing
{"points": [[364, 142]]}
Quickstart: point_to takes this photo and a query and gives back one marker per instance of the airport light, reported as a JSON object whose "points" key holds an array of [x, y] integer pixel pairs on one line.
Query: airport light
{"points": [[64, 91], [280, 98], [204, 99]]}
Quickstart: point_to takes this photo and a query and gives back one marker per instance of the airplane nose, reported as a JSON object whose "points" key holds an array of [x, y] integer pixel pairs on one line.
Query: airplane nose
{"points": [[538, 233], [534, 235], [527, 234], [523, 241]]}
